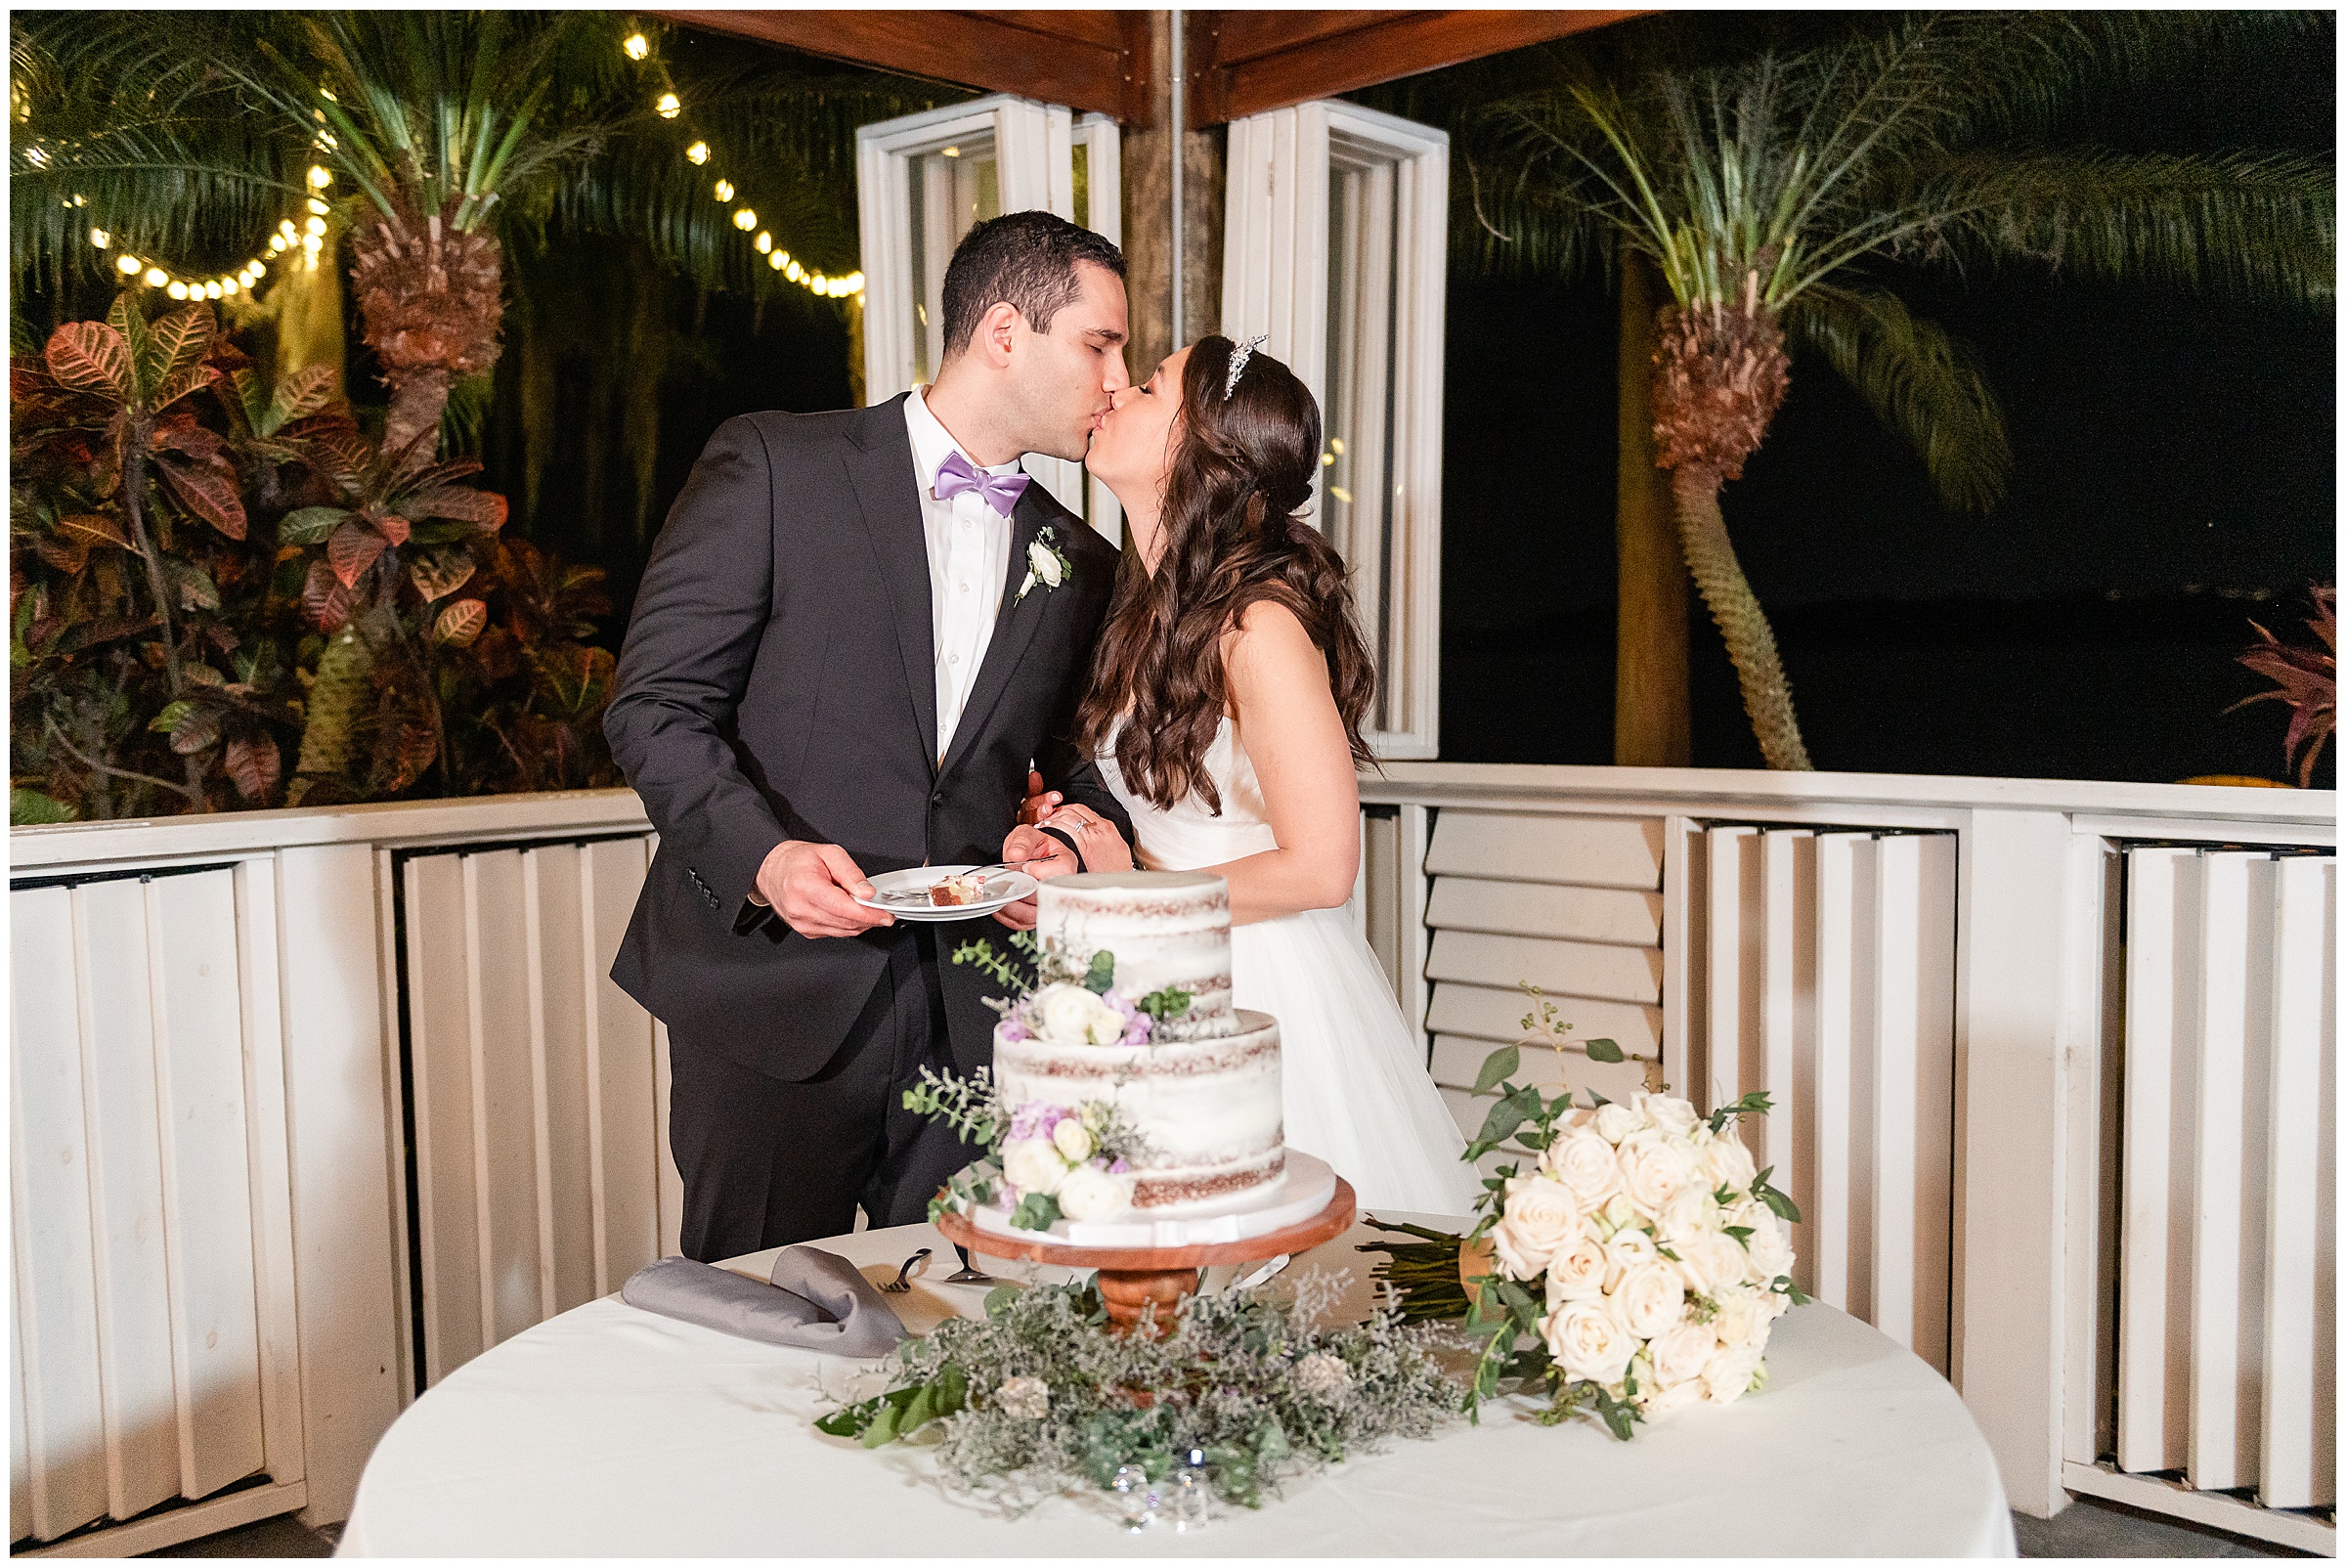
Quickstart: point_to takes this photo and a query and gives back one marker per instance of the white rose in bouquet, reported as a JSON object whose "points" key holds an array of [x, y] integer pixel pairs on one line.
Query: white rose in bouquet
{"points": [[1687, 1217], [1728, 1376], [1770, 1249], [1539, 1218], [1743, 1318], [1587, 1341], [1667, 1112], [1074, 1140], [1063, 1012], [1033, 1165], [1090, 1193], [1655, 1169], [1586, 1165], [1712, 1261], [1616, 1121], [1677, 1395], [1650, 1299], [1680, 1354], [1577, 1273], [1630, 1248], [1727, 1163]]}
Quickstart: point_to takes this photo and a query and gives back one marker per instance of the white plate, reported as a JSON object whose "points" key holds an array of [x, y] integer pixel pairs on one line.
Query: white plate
{"points": [[912, 884]]}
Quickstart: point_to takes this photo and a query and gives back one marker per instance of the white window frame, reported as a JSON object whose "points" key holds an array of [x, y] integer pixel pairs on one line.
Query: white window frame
{"points": [[1275, 281], [1034, 162]]}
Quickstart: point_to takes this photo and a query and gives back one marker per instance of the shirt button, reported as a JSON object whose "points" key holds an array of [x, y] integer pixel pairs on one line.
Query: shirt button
{"points": [[952, 658], [965, 588]]}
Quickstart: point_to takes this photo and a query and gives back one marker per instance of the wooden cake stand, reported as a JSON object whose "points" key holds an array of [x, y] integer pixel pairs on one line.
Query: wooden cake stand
{"points": [[1133, 1277]]}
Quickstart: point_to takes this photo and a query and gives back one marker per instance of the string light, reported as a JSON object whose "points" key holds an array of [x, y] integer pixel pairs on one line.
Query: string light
{"points": [[724, 190], [100, 238], [698, 153], [745, 219], [668, 106], [638, 46]]}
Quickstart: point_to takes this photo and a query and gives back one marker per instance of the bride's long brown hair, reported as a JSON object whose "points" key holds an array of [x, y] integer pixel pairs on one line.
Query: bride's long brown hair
{"points": [[1241, 472]]}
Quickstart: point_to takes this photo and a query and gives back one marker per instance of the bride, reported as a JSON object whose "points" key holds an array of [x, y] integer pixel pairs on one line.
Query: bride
{"points": [[1225, 710]]}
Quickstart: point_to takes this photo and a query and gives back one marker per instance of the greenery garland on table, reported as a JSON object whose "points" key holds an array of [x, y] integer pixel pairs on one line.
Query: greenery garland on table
{"points": [[1038, 1397]]}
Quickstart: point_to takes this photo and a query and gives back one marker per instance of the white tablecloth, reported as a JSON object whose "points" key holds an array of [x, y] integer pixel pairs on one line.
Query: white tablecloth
{"points": [[610, 1431]]}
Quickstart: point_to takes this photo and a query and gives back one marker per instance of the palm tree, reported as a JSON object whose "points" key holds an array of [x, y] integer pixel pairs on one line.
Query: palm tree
{"points": [[1775, 196], [452, 137]]}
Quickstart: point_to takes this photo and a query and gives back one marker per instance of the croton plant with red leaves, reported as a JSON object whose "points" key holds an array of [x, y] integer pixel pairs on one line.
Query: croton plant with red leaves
{"points": [[223, 594]]}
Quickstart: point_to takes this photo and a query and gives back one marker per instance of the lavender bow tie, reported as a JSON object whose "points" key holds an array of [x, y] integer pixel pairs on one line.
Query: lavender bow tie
{"points": [[1001, 492]]}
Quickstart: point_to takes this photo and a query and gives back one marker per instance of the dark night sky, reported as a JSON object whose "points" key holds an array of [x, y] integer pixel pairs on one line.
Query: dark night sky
{"points": [[2175, 466]]}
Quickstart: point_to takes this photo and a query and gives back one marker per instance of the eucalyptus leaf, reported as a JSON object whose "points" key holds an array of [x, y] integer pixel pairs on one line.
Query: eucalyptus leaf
{"points": [[1498, 1067], [1603, 1051]]}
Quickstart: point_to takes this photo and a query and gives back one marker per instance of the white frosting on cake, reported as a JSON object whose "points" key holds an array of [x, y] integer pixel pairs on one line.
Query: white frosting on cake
{"points": [[1205, 1093], [1208, 1110], [1166, 928]]}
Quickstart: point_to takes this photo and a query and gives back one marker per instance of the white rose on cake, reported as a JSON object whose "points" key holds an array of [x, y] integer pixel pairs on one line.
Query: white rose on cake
{"points": [[1587, 1341], [1074, 1140], [1539, 1219], [1587, 1166], [1063, 1012], [1090, 1194], [1033, 1165]]}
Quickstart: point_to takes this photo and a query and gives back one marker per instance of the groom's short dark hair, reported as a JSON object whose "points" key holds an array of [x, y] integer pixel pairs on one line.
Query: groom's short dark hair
{"points": [[1026, 260]]}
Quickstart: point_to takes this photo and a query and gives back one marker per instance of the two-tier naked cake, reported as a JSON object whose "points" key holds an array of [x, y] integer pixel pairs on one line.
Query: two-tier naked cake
{"points": [[1149, 1064]]}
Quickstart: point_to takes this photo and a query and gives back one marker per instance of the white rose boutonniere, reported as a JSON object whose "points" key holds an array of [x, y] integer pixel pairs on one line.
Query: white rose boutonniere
{"points": [[1045, 565]]}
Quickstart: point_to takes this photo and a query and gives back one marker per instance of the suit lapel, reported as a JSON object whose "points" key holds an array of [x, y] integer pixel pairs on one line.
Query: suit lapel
{"points": [[887, 490], [1015, 623]]}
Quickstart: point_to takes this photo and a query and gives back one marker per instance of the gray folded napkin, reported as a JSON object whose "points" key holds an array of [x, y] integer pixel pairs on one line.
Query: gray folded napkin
{"points": [[818, 1301]]}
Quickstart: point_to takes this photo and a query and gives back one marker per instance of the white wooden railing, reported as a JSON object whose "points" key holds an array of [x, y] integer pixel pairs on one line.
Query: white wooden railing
{"points": [[1925, 973]]}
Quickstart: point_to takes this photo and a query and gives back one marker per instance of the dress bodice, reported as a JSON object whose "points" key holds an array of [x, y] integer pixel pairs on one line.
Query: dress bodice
{"points": [[1188, 836]]}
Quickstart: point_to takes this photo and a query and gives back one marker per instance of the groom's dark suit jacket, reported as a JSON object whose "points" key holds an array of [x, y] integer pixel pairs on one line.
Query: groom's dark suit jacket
{"points": [[778, 681]]}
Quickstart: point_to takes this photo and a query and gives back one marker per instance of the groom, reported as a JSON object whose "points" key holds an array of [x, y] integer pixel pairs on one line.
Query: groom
{"points": [[854, 633]]}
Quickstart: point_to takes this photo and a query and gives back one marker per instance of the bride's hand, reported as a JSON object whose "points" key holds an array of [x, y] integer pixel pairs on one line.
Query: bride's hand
{"points": [[1101, 845]]}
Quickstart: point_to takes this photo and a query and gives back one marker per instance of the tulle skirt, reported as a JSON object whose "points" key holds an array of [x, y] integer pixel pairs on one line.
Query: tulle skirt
{"points": [[1354, 1072]]}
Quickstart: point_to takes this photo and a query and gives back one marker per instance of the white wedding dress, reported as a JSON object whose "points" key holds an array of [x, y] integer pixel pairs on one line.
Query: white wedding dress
{"points": [[1356, 1086]]}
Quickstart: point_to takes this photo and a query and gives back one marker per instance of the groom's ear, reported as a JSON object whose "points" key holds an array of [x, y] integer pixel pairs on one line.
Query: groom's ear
{"points": [[998, 331]]}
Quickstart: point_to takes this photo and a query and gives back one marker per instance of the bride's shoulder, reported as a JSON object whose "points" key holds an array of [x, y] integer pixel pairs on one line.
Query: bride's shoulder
{"points": [[1266, 642]]}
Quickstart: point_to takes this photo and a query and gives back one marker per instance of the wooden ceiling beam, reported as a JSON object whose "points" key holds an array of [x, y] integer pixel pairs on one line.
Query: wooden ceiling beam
{"points": [[1085, 60], [1242, 62]]}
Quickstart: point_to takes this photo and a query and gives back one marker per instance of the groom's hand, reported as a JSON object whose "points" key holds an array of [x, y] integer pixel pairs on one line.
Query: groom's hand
{"points": [[1039, 802], [815, 887], [1049, 858]]}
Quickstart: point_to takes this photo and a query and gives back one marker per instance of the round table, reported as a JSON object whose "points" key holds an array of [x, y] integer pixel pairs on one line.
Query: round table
{"points": [[611, 1431]]}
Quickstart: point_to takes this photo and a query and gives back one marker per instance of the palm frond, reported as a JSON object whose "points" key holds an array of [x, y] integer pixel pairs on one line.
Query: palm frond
{"points": [[1921, 382], [2250, 225]]}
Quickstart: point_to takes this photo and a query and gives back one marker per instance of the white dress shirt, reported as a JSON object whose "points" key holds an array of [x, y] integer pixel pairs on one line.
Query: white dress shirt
{"points": [[969, 561]]}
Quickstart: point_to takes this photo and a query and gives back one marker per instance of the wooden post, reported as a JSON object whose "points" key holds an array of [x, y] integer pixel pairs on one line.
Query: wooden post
{"points": [[1651, 726], [1147, 153]]}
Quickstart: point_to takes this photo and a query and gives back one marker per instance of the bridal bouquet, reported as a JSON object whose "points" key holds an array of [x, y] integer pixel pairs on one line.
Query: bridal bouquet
{"points": [[1630, 1261], [1047, 1161]]}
